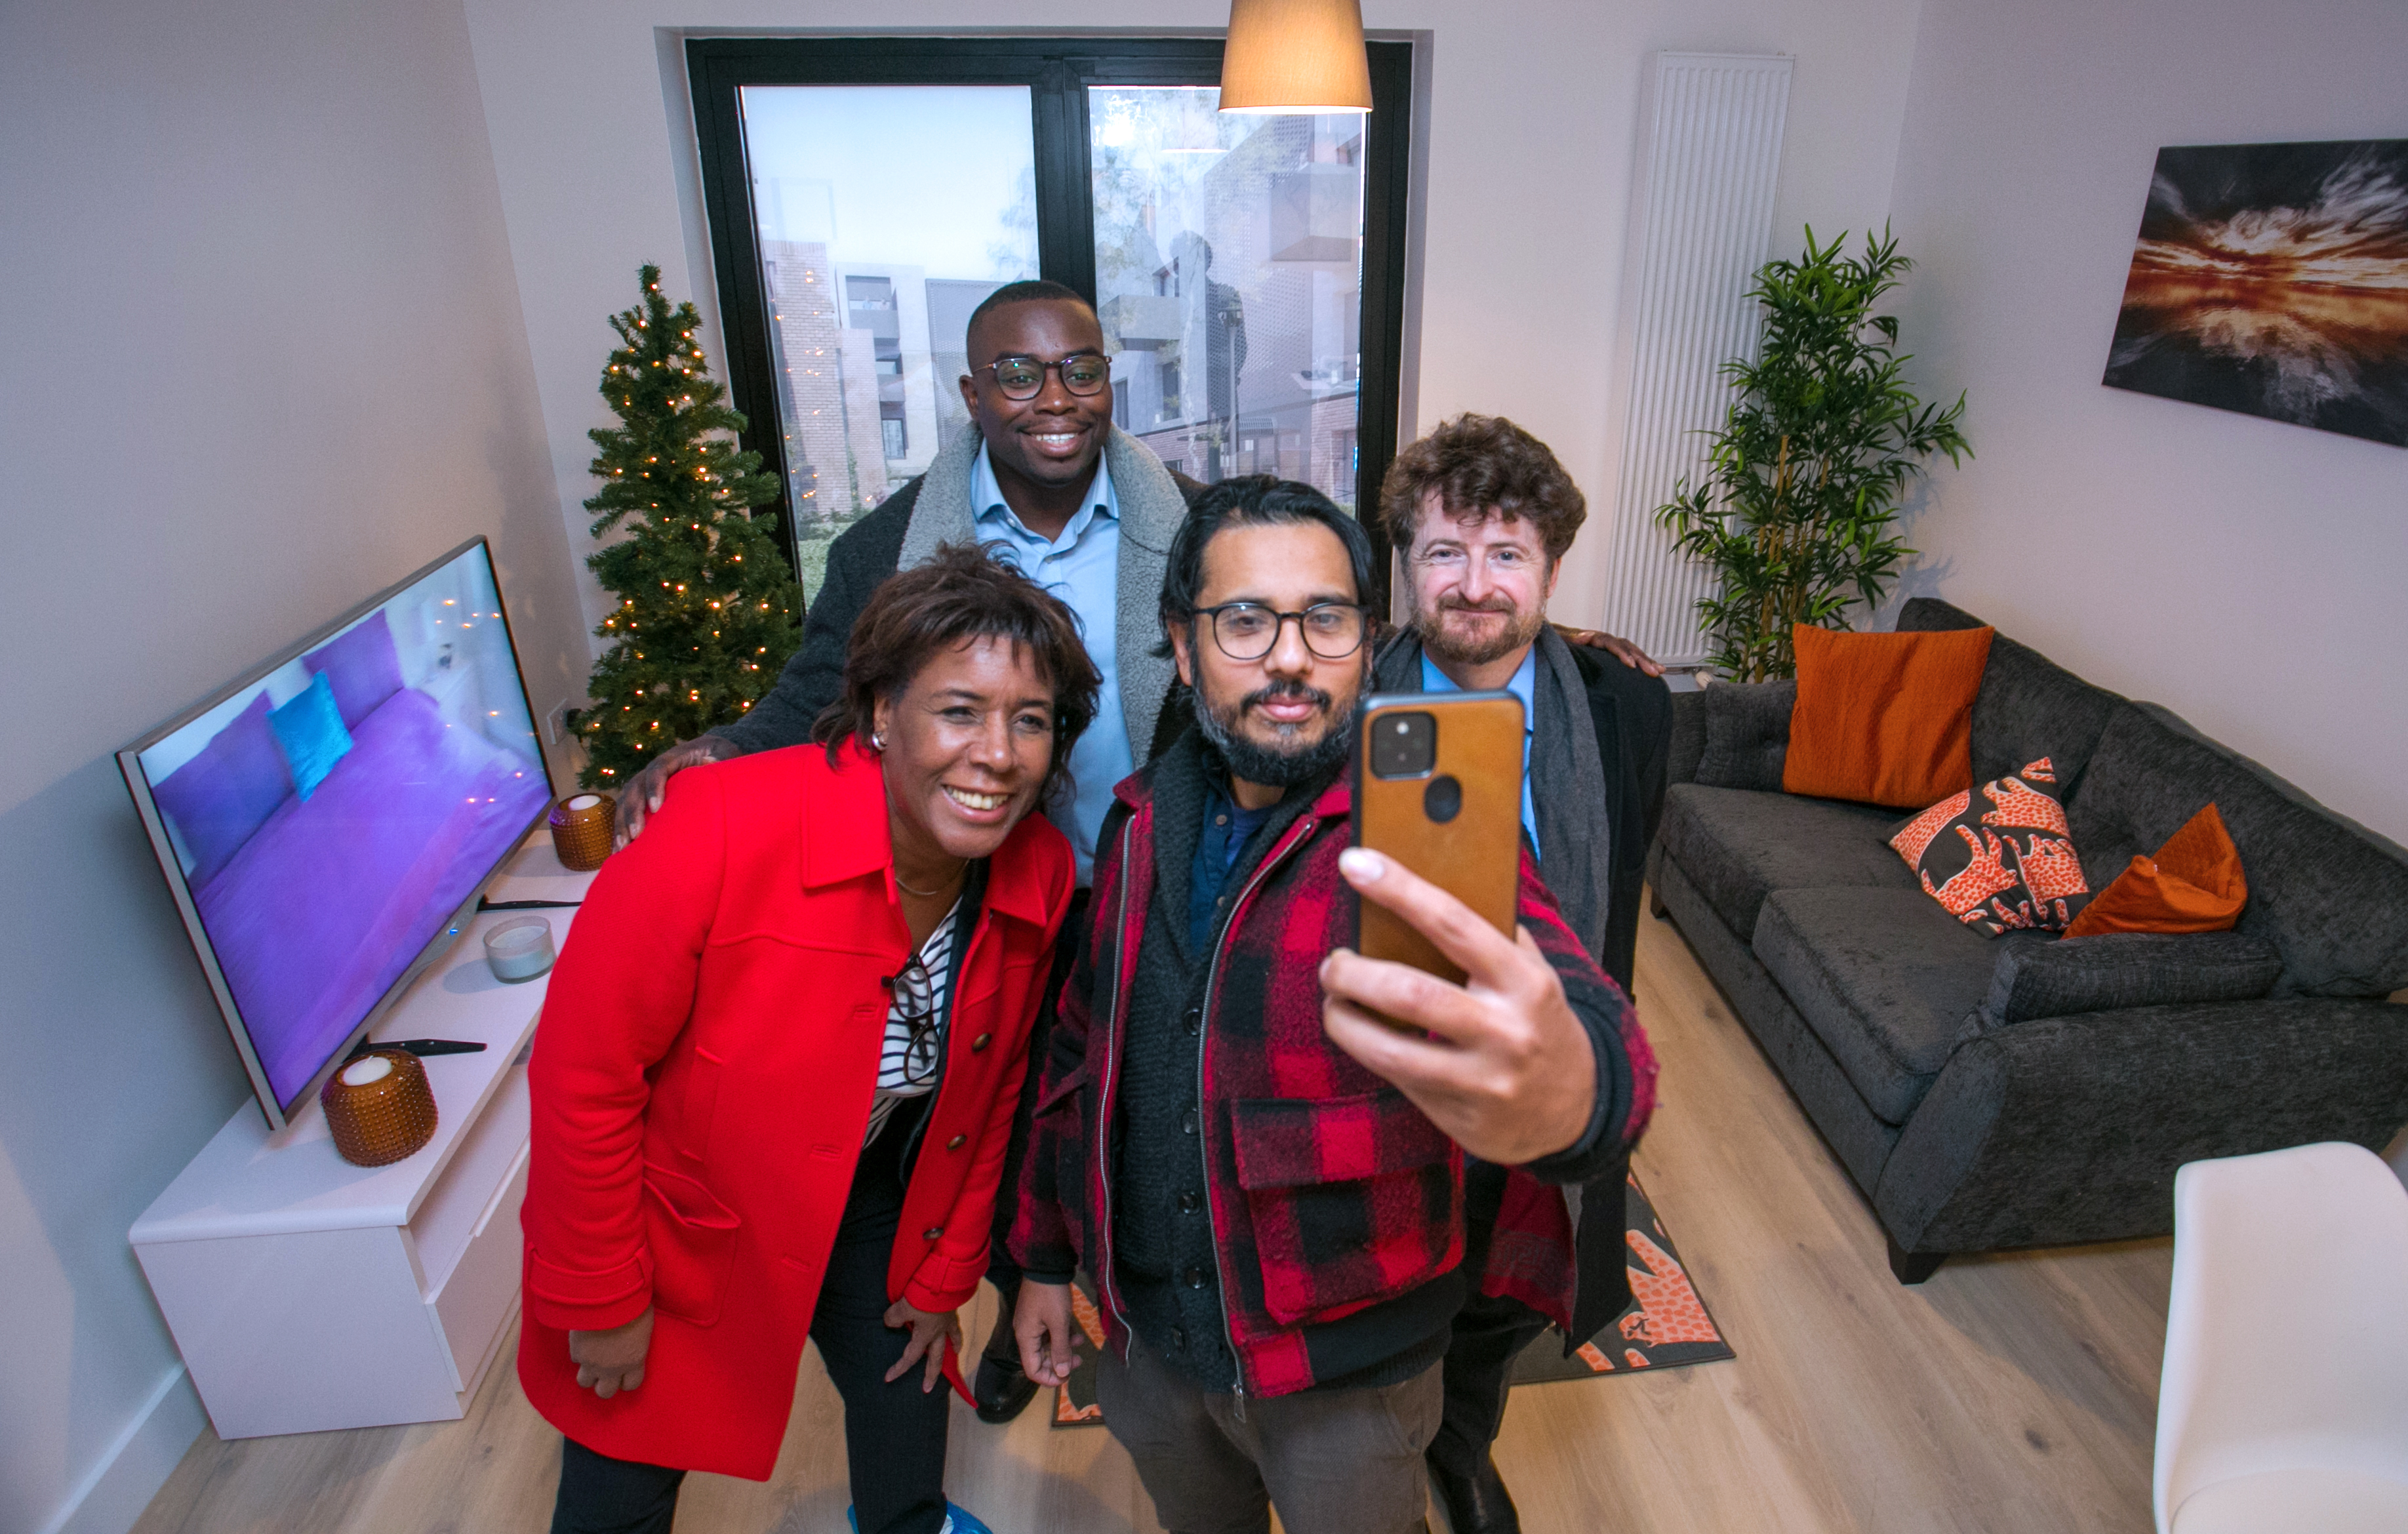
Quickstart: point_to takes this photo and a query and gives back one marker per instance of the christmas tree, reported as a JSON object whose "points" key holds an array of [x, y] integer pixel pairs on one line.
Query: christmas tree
{"points": [[708, 611]]}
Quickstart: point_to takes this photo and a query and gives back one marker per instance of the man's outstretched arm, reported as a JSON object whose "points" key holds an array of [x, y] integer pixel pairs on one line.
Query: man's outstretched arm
{"points": [[1622, 649]]}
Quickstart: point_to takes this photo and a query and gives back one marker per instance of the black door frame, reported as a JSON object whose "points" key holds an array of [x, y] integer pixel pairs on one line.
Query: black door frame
{"points": [[1057, 72]]}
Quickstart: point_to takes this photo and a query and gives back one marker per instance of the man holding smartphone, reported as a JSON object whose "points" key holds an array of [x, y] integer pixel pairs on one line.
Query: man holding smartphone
{"points": [[1254, 1138], [1483, 514]]}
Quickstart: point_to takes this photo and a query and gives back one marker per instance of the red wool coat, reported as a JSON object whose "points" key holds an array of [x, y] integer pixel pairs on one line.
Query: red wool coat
{"points": [[702, 1079]]}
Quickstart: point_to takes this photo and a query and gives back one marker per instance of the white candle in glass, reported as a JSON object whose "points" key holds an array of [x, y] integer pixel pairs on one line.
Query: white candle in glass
{"points": [[520, 949]]}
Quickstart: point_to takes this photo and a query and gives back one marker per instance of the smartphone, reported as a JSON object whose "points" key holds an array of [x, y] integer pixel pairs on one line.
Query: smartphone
{"points": [[1438, 786]]}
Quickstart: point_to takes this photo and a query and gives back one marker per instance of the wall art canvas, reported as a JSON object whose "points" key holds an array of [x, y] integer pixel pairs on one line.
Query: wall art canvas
{"points": [[2273, 279]]}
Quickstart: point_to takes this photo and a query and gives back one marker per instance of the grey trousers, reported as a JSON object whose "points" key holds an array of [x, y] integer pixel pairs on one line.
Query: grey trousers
{"points": [[1332, 1461]]}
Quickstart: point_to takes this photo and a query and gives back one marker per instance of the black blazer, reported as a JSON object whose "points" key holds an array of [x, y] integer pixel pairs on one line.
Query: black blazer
{"points": [[1632, 712]]}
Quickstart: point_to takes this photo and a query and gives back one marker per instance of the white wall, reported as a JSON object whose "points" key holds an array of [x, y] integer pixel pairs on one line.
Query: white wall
{"points": [[2250, 574], [1532, 128], [266, 356]]}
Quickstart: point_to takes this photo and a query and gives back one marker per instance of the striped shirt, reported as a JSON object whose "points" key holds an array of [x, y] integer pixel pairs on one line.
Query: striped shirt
{"points": [[914, 1047]]}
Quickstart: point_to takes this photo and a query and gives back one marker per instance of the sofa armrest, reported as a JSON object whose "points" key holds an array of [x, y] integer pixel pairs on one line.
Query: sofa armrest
{"points": [[2122, 969], [2070, 1128], [1746, 735]]}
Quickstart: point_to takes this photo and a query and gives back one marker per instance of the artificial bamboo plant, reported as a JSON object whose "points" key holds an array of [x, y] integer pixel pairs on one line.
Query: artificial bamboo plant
{"points": [[1797, 512]]}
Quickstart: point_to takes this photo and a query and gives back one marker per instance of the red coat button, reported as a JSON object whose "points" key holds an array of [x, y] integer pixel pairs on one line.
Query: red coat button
{"points": [[980, 1042], [957, 1142], [932, 1233]]}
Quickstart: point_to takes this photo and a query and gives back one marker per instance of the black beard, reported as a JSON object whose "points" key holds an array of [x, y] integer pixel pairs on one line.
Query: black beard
{"points": [[1517, 632], [1253, 762]]}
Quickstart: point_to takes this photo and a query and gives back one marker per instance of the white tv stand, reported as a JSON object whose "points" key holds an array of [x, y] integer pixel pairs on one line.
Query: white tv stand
{"points": [[306, 1293]]}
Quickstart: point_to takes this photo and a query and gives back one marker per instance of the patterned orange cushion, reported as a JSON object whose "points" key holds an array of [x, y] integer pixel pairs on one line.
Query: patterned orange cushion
{"points": [[2194, 884], [2006, 867], [1884, 718]]}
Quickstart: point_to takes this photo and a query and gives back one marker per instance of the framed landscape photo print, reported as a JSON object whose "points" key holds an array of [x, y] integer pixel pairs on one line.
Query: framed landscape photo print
{"points": [[2273, 279]]}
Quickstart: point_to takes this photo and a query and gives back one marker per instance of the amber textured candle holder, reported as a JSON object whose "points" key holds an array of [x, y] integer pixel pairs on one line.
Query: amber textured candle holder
{"points": [[580, 831], [379, 1116]]}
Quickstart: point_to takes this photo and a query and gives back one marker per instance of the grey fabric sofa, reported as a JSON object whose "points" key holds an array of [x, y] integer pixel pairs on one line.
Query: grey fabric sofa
{"points": [[2030, 1089]]}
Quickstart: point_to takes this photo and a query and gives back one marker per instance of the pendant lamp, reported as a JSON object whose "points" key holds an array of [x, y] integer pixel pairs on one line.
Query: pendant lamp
{"points": [[1302, 57]]}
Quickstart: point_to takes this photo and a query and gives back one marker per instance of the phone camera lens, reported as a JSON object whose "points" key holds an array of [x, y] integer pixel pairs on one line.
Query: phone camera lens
{"points": [[1406, 746]]}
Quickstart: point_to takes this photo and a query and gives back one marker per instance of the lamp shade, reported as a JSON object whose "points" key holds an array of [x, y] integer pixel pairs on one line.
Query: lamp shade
{"points": [[1296, 56]]}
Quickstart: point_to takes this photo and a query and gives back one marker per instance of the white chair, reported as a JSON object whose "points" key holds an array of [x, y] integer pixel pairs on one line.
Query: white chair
{"points": [[2284, 1405]]}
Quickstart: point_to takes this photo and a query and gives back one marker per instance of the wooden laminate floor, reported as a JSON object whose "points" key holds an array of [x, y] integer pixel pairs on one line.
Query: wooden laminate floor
{"points": [[2008, 1393]]}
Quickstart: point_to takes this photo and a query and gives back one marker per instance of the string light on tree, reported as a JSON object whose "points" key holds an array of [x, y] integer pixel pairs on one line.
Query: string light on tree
{"points": [[682, 576]]}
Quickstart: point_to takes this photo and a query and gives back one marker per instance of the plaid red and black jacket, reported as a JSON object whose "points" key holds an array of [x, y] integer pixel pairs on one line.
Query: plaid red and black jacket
{"points": [[1329, 1191]]}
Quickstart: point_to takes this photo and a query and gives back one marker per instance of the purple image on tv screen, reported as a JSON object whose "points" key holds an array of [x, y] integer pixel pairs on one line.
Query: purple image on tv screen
{"points": [[314, 905]]}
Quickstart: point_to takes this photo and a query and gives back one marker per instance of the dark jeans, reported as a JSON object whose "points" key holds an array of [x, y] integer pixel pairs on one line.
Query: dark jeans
{"points": [[1490, 1332], [893, 1434]]}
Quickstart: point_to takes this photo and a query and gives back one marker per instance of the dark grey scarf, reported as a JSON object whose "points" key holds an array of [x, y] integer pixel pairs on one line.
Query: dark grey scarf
{"points": [[1567, 779]]}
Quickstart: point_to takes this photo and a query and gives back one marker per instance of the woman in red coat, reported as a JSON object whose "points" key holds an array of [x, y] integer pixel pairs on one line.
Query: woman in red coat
{"points": [[779, 1061]]}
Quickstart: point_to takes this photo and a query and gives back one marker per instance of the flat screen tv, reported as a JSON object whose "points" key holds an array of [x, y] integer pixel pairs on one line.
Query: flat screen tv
{"points": [[325, 821]]}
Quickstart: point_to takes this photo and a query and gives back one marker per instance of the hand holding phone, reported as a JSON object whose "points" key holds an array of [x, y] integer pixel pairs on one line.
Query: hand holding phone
{"points": [[1500, 1063], [1445, 997]]}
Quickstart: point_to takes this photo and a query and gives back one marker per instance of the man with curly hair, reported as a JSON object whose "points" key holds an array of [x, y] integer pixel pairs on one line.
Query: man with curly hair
{"points": [[1483, 514]]}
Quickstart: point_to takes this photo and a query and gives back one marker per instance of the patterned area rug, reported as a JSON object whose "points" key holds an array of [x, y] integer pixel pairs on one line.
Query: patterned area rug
{"points": [[1666, 1327]]}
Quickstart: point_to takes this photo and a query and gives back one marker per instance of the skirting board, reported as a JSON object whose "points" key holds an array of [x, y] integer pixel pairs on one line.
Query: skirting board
{"points": [[130, 1472]]}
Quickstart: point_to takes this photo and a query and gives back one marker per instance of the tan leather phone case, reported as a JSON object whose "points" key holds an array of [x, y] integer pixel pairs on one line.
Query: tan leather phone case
{"points": [[1474, 852]]}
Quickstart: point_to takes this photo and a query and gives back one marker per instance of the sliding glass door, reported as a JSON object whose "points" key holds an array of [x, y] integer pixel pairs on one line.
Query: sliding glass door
{"points": [[865, 194], [1228, 273]]}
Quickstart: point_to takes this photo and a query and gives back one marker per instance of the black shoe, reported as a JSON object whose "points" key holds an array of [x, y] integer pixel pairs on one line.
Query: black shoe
{"points": [[1477, 1505], [1002, 1390]]}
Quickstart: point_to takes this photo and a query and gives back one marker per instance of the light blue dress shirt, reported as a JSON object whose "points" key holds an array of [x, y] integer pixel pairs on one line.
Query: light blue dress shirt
{"points": [[1524, 685], [1082, 567]]}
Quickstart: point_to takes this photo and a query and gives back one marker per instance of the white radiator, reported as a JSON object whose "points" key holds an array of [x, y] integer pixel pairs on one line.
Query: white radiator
{"points": [[1703, 210]]}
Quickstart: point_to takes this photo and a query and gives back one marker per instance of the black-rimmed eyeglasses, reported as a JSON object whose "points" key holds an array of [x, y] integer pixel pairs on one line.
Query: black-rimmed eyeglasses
{"points": [[913, 990], [1021, 377], [1248, 631]]}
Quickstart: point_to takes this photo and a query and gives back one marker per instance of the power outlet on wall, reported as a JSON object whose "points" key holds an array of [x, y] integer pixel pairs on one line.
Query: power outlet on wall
{"points": [[556, 724]]}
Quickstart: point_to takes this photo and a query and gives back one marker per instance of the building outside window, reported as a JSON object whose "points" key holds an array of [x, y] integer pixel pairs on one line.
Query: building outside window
{"points": [[1227, 260]]}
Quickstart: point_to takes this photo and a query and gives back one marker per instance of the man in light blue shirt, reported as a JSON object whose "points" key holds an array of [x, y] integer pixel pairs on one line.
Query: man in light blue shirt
{"points": [[1083, 508], [1081, 565]]}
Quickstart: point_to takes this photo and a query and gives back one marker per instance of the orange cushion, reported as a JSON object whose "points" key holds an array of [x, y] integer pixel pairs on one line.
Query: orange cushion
{"points": [[2194, 884], [1884, 718]]}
